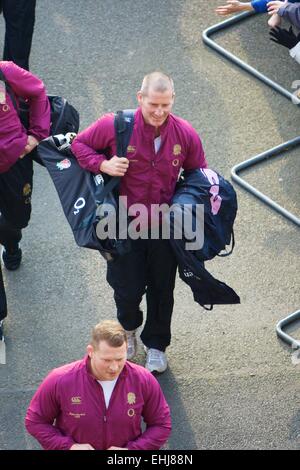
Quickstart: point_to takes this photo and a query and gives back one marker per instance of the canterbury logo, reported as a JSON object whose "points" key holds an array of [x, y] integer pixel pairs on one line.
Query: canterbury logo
{"points": [[76, 400]]}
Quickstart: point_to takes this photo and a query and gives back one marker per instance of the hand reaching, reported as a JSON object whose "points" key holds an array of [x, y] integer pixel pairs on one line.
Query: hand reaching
{"points": [[232, 6]]}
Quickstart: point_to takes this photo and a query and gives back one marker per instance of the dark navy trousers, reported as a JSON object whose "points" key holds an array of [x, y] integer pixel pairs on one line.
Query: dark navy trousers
{"points": [[149, 268], [3, 305], [19, 18], [15, 210], [15, 201]]}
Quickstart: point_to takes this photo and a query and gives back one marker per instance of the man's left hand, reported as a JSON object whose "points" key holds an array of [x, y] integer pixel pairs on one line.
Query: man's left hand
{"points": [[32, 142]]}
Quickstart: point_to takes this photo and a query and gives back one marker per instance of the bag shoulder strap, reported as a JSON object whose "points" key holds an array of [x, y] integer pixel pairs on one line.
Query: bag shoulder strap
{"points": [[124, 121]]}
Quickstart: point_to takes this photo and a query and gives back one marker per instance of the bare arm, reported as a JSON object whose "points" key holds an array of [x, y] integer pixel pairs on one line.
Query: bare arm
{"points": [[233, 6]]}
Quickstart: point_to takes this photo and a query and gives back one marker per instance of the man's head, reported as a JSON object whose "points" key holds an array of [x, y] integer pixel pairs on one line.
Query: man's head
{"points": [[107, 350], [156, 98]]}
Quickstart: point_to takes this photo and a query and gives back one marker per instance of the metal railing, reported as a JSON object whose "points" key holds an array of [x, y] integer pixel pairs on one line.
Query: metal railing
{"points": [[262, 156], [295, 344]]}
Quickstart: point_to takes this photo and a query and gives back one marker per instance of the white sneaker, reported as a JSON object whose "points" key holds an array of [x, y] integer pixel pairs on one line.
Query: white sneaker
{"points": [[131, 344], [156, 361]]}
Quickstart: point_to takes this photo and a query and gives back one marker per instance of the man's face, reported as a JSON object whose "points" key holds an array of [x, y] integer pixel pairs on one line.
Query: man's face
{"points": [[156, 106], [107, 362]]}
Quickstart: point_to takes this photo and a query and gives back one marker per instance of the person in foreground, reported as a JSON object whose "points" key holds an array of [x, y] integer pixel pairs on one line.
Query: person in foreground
{"points": [[97, 403]]}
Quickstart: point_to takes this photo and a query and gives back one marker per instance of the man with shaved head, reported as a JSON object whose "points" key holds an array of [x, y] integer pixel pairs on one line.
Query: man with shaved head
{"points": [[160, 145], [158, 82]]}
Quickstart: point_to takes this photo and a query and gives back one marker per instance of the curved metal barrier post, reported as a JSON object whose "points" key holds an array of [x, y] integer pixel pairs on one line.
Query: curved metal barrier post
{"points": [[263, 156], [284, 336], [257, 159], [268, 153], [233, 58]]}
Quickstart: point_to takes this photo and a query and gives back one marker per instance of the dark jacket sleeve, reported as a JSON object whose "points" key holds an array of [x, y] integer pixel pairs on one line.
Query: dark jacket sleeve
{"points": [[291, 11]]}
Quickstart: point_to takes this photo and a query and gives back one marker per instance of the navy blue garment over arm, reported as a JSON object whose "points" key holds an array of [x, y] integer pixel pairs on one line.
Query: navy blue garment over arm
{"points": [[291, 13]]}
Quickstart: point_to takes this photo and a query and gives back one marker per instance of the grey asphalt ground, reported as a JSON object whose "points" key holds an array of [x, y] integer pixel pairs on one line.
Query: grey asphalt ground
{"points": [[231, 383]]}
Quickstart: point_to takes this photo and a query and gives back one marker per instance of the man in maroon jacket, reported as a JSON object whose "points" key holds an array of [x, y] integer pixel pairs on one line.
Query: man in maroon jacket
{"points": [[98, 402], [16, 167], [161, 143]]}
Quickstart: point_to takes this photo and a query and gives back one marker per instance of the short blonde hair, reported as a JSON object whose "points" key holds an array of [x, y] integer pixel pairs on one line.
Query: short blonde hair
{"points": [[110, 331], [158, 81]]}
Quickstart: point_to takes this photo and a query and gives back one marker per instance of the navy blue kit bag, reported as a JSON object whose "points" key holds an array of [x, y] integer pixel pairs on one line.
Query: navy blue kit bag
{"points": [[82, 193]]}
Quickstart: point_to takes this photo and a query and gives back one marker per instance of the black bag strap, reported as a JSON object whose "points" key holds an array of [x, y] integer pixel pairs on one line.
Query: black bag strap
{"points": [[123, 123], [227, 253]]}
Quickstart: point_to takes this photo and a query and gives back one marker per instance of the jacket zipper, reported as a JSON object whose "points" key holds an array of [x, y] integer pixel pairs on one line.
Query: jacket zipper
{"points": [[153, 158], [104, 417]]}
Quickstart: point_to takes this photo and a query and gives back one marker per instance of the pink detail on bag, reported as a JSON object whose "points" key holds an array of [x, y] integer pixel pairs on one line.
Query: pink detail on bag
{"points": [[210, 175], [215, 200]]}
